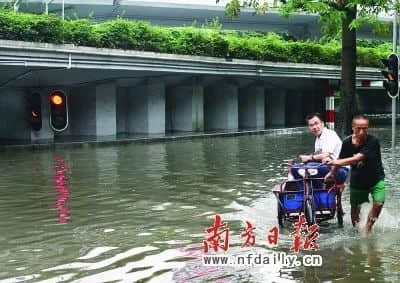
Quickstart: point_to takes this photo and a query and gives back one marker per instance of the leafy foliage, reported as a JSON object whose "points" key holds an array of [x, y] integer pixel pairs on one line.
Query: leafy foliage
{"points": [[30, 27], [210, 40], [341, 19]]}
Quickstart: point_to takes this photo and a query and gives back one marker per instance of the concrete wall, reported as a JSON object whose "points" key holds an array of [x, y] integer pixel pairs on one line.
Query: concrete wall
{"points": [[146, 112], [156, 106], [319, 101], [13, 115], [92, 110], [106, 122], [308, 102], [83, 111], [275, 102], [198, 108], [320, 91], [184, 108], [122, 109], [252, 107], [137, 116], [294, 108], [178, 112], [221, 107], [105, 109]]}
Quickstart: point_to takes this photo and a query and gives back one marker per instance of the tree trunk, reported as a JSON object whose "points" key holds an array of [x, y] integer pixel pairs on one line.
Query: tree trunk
{"points": [[348, 105]]}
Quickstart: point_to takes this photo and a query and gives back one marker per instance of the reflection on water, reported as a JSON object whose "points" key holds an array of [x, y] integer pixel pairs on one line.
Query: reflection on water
{"points": [[139, 212], [60, 180]]}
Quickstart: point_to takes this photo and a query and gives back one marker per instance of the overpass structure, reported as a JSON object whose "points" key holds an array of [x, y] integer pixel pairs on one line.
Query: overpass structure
{"points": [[114, 92]]}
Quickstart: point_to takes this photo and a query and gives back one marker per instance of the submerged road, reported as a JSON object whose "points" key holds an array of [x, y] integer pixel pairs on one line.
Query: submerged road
{"points": [[130, 212]]}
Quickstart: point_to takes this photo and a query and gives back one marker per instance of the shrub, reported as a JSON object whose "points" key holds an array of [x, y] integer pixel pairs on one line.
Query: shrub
{"points": [[79, 32], [206, 41], [29, 27]]}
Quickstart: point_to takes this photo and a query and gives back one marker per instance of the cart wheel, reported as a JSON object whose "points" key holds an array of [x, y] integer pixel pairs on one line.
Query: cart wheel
{"points": [[339, 212], [339, 216], [309, 213], [281, 216]]}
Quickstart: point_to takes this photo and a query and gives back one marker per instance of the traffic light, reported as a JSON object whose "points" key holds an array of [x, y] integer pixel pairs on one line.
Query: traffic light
{"points": [[391, 82], [34, 110], [58, 111]]}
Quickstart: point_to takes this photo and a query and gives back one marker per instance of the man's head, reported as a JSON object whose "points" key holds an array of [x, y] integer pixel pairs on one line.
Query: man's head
{"points": [[315, 123], [360, 126]]}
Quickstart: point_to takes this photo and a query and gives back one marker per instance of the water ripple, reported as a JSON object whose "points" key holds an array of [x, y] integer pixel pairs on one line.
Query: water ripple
{"points": [[139, 212]]}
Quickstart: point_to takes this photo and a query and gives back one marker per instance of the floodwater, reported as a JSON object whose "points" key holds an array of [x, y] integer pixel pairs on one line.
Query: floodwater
{"points": [[139, 212]]}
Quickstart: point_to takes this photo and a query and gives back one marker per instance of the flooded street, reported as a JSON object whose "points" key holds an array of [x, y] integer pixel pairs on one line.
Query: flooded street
{"points": [[139, 212]]}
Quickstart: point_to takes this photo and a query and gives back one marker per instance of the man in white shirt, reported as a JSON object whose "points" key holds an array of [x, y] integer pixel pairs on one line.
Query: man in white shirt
{"points": [[327, 142]]}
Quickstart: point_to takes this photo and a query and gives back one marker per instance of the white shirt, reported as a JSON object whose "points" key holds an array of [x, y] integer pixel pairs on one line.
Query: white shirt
{"points": [[329, 142]]}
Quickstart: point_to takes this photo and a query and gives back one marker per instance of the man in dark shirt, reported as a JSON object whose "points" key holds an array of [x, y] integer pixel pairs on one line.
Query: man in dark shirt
{"points": [[362, 151]]}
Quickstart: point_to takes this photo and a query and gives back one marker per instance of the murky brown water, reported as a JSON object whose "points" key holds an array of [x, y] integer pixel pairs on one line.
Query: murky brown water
{"points": [[138, 212]]}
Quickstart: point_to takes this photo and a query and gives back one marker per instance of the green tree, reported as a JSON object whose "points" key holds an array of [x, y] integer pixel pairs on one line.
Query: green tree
{"points": [[339, 17]]}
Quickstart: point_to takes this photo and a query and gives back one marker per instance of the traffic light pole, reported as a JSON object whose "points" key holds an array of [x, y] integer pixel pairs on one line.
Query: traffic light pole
{"points": [[394, 97]]}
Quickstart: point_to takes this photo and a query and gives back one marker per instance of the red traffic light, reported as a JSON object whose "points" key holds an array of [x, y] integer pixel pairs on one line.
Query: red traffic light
{"points": [[57, 98], [58, 111], [34, 111], [389, 76]]}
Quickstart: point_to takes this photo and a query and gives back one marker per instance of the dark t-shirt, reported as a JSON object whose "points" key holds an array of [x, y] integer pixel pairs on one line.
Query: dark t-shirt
{"points": [[366, 173]]}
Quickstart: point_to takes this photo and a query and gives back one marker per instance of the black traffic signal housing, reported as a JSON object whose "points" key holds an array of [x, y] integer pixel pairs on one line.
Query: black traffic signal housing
{"points": [[391, 82], [34, 111], [58, 111]]}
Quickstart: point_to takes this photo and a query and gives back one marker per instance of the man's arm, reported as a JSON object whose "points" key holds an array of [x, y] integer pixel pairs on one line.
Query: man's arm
{"points": [[314, 157], [322, 156], [343, 162], [347, 161]]}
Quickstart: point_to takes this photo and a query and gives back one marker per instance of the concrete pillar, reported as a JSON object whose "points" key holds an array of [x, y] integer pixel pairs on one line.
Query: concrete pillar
{"points": [[198, 108], [106, 122], [252, 108], [275, 107], [93, 110], [122, 110], [147, 108], [221, 107], [294, 108], [184, 108], [13, 116]]}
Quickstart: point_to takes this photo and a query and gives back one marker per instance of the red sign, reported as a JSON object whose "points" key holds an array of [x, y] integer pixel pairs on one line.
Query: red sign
{"points": [[304, 236]]}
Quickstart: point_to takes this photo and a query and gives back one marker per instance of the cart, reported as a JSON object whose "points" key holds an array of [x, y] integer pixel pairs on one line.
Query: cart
{"points": [[309, 195]]}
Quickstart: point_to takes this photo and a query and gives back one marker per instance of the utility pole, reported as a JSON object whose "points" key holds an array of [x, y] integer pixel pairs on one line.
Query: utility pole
{"points": [[394, 97]]}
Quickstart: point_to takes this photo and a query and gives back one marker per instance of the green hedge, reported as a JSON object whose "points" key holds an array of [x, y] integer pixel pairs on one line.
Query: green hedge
{"points": [[137, 35]]}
